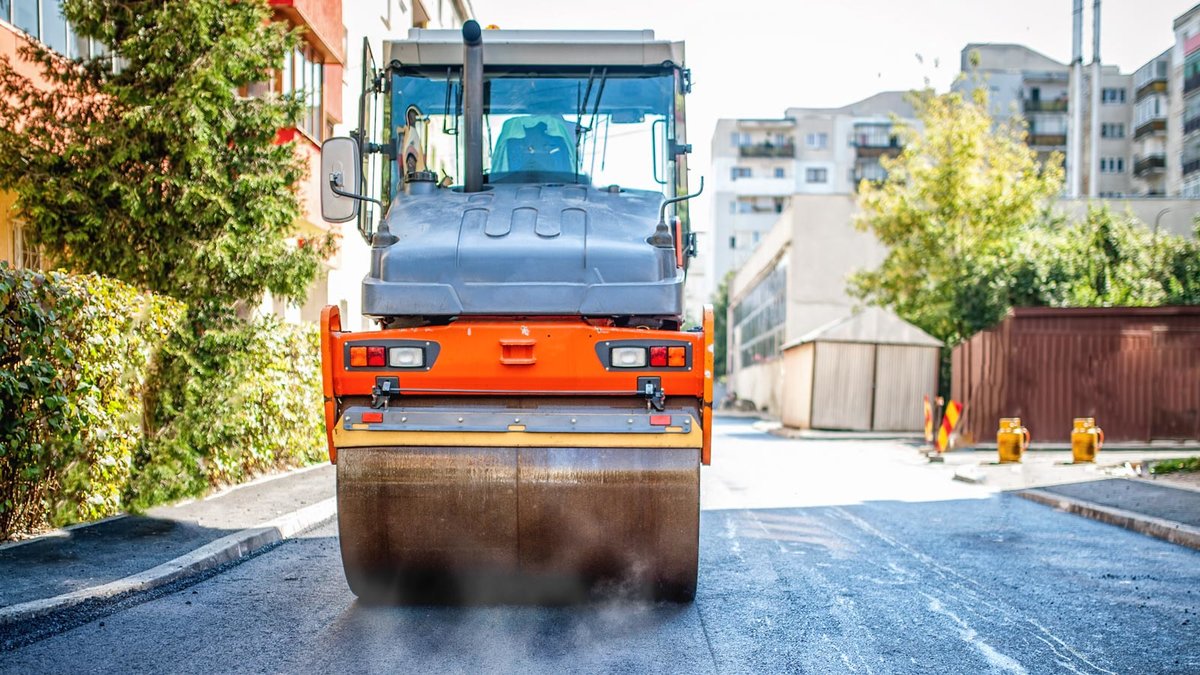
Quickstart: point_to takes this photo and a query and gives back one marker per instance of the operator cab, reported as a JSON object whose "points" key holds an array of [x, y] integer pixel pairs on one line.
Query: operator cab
{"points": [[580, 170]]}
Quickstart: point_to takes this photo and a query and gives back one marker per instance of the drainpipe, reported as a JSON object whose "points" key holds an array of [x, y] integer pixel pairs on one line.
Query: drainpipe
{"points": [[1074, 140]]}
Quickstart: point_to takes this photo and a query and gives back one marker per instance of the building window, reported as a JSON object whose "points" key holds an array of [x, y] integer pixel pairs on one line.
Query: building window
{"points": [[817, 141], [1112, 130], [780, 172], [739, 139], [739, 172], [733, 241], [303, 75], [759, 319], [816, 176], [25, 256], [1112, 95], [1112, 165], [755, 236]]}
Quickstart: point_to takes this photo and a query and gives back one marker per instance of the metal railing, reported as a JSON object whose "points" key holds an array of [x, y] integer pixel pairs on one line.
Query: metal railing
{"points": [[1046, 106], [1191, 84], [1149, 163], [1047, 139], [767, 150]]}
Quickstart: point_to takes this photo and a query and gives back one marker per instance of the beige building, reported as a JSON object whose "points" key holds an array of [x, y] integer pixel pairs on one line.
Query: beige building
{"points": [[1025, 84], [1151, 99], [760, 164], [793, 283]]}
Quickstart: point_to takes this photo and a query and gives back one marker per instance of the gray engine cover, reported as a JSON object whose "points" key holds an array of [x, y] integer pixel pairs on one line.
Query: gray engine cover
{"points": [[524, 250]]}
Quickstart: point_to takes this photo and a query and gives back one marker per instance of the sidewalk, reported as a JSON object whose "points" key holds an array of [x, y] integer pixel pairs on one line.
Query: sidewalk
{"points": [[1151, 508], [131, 553]]}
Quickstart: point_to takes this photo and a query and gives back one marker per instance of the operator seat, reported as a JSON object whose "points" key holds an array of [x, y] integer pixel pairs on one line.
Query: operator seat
{"points": [[531, 144]]}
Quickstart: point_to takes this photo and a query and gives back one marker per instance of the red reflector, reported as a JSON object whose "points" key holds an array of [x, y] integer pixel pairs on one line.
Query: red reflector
{"points": [[376, 356], [358, 356], [372, 417], [660, 420], [658, 356], [677, 357]]}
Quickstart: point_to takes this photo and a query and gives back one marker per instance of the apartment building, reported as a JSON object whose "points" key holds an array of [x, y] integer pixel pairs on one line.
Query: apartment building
{"points": [[1026, 85], [20, 22], [1151, 99], [313, 69], [760, 164], [1183, 126], [374, 21]]}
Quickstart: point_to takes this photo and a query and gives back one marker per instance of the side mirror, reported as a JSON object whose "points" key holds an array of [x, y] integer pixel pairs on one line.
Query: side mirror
{"points": [[341, 175]]}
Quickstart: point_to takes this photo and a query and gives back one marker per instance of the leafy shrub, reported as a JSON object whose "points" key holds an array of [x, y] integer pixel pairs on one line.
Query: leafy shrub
{"points": [[76, 351], [235, 399], [112, 399]]}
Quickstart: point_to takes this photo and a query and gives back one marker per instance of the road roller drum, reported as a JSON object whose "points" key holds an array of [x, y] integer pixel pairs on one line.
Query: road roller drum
{"points": [[533, 524]]}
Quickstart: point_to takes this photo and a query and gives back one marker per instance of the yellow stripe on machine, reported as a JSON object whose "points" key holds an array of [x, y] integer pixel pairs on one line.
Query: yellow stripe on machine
{"points": [[343, 438]]}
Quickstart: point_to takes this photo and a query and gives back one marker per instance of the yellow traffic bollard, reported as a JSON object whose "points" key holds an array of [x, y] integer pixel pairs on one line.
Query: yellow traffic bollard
{"points": [[1011, 439], [1086, 440]]}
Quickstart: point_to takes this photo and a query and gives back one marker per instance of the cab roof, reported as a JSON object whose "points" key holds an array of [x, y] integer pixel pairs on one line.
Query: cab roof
{"points": [[426, 47]]}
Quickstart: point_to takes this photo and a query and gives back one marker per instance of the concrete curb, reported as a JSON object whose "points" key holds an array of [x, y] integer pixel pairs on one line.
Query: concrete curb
{"points": [[215, 553], [1169, 530]]}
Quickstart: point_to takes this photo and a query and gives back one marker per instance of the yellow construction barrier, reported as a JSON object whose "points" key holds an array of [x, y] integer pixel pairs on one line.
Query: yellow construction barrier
{"points": [[953, 413], [1086, 439], [1012, 439]]}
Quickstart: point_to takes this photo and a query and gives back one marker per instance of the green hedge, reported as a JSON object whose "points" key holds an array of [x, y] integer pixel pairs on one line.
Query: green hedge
{"points": [[113, 400], [233, 400], [76, 351]]}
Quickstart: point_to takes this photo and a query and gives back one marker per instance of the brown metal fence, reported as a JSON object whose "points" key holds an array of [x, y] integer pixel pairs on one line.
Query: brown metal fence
{"points": [[1135, 369]]}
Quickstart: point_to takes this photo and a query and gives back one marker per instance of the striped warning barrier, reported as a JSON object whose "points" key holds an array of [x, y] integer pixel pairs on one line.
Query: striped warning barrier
{"points": [[928, 420], [953, 413]]}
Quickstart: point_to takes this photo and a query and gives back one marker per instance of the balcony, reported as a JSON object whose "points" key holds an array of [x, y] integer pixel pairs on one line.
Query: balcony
{"points": [[1042, 140], [1191, 84], [1191, 166], [1191, 124], [767, 149], [871, 175], [1157, 86], [1150, 164], [1059, 106], [1151, 126]]}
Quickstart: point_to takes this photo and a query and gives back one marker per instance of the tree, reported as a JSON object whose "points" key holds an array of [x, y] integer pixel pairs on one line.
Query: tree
{"points": [[721, 326], [951, 212], [1106, 260], [161, 172]]}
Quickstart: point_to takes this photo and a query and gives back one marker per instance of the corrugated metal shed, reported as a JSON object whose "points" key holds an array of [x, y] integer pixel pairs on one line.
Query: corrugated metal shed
{"points": [[1135, 369], [865, 372]]}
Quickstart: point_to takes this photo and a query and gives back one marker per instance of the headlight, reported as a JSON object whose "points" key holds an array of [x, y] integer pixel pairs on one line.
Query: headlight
{"points": [[406, 357], [628, 357]]}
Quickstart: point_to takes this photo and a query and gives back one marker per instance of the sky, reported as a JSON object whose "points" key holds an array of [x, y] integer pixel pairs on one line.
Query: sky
{"points": [[755, 58]]}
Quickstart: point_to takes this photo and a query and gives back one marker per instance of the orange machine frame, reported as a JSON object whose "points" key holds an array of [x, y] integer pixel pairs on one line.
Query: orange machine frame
{"points": [[557, 357]]}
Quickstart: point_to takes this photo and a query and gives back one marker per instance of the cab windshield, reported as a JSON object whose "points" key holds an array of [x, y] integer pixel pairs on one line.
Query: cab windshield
{"points": [[600, 128]]}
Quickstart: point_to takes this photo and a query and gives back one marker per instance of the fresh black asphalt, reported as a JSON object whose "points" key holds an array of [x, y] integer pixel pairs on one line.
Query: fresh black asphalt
{"points": [[913, 581]]}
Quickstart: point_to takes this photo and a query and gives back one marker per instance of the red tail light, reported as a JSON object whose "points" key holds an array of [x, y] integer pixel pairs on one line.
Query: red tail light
{"points": [[658, 356], [376, 356]]}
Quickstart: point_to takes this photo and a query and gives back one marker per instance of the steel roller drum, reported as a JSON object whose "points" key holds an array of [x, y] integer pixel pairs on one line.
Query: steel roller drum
{"points": [[518, 524]]}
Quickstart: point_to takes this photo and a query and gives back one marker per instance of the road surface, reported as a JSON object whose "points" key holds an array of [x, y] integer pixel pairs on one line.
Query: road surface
{"points": [[821, 557]]}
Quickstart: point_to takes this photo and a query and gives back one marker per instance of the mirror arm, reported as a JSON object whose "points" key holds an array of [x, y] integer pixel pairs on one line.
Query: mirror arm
{"points": [[335, 181]]}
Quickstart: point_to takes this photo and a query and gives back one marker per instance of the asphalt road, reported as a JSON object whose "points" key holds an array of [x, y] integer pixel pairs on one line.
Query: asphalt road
{"points": [[815, 557]]}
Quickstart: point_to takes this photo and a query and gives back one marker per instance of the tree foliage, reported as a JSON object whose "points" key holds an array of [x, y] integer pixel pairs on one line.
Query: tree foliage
{"points": [[159, 172], [967, 214], [721, 326], [951, 212]]}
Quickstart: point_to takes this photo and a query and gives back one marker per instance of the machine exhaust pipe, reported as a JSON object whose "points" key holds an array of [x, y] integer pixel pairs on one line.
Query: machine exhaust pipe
{"points": [[472, 82]]}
